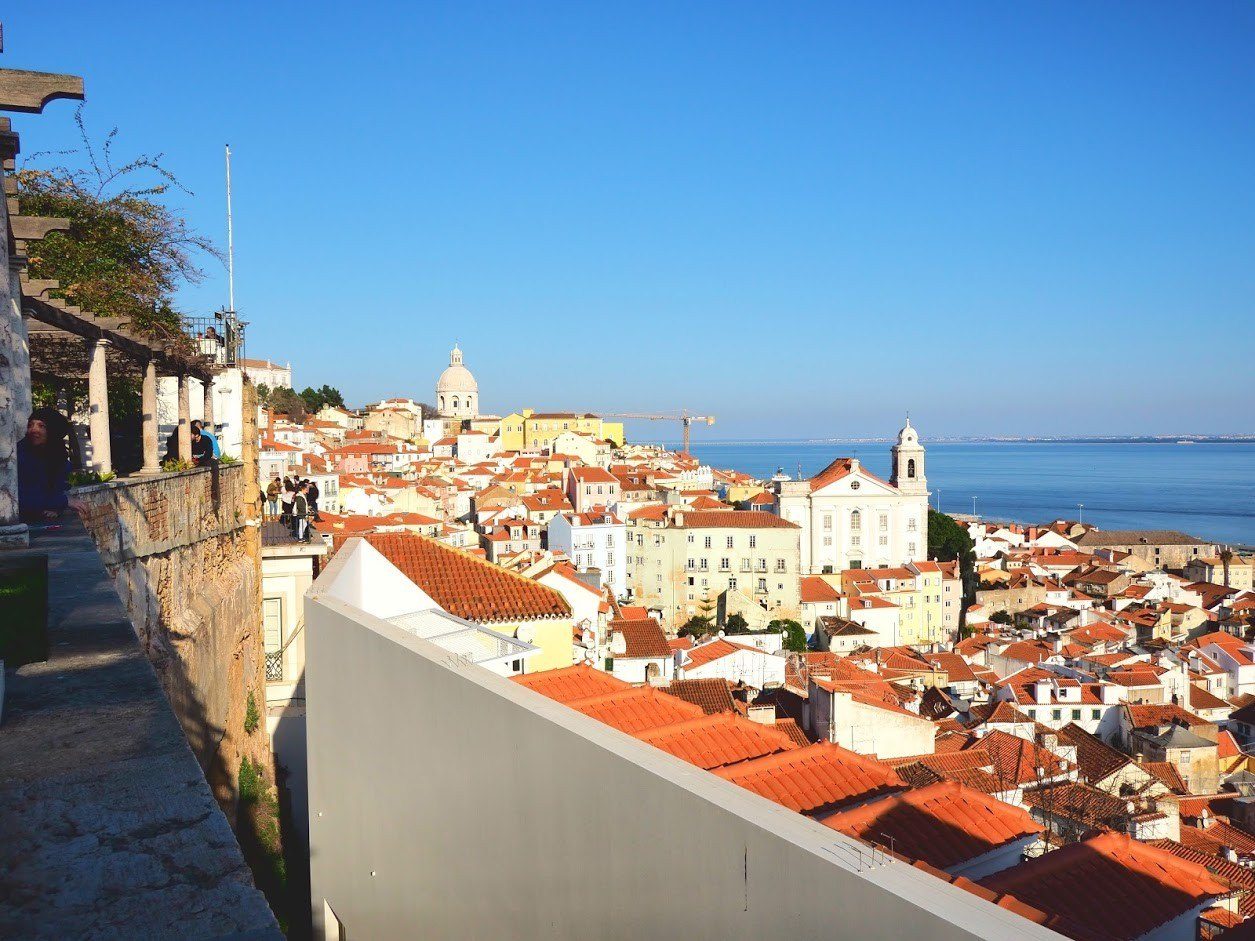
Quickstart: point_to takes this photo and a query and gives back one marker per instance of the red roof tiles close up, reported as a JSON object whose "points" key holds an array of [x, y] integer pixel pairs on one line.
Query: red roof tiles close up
{"points": [[815, 779]]}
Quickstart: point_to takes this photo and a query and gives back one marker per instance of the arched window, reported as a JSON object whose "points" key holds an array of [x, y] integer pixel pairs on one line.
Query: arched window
{"points": [[442, 403], [856, 520], [910, 468], [455, 403]]}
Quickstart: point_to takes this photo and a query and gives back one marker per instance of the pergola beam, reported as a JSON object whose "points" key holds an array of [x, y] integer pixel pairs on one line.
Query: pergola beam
{"points": [[29, 92]]}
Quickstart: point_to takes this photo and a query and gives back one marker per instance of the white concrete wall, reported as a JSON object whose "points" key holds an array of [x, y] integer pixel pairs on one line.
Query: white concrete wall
{"points": [[446, 803]]}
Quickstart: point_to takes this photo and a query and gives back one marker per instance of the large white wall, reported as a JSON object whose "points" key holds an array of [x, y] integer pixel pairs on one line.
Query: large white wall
{"points": [[446, 802]]}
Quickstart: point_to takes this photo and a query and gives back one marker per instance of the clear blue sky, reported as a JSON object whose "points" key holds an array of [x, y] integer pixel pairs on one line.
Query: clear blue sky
{"points": [[806, 219]]}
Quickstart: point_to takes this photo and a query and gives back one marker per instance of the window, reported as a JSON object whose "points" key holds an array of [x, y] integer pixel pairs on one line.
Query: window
{"points": [[910, 547], [745, 565], [725, 565], [910, 468], [884, 521], [707, 542], [692, 539], [884, 540], [856, 540], [780, 565], [856, 521], [827, 521], [762, 584], [762, 565], [272, 624], [753, 541], [729, 544], [1076, 714], [732, 584], [690, 564], [1056, 714], [1096, 714], [704, 564], [827, 540], [910, 524]]}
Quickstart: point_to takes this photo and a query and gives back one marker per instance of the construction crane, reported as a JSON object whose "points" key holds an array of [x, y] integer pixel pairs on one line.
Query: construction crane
{"points": [[684, 418]]}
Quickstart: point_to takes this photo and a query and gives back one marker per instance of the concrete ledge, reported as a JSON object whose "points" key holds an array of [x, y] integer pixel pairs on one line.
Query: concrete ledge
{"points": [[108, 827]]}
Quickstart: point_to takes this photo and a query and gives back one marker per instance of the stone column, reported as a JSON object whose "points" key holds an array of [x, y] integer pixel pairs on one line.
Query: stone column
{"points": [[148, 408], [98, 405], [207, 416], [14, 396], [185, 420]]}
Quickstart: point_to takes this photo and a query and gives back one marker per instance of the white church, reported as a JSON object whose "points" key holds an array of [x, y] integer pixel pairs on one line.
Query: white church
{"points": [[851, 519]]}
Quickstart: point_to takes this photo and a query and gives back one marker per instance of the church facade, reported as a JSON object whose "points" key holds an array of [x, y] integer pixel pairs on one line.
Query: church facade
{"points": [[850, 518]]}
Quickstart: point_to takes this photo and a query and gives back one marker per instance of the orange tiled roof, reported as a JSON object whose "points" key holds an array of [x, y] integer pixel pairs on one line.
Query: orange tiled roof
{"points": [[817, 591], [567, 684], [713, 650], [643, 637], [739, 519], [815, 779], [637, 709], [1111, 885], [466, 586], [943, 824], [715, 741], [714, 695]]}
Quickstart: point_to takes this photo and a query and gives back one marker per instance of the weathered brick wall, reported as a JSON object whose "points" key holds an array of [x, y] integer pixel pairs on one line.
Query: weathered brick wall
{"points": [[187, 568]]}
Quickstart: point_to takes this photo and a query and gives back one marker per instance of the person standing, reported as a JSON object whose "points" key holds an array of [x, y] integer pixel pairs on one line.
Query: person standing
{"points": [[300, 513], [43, 467], [272, 496], [285, 500], [313, 494]]}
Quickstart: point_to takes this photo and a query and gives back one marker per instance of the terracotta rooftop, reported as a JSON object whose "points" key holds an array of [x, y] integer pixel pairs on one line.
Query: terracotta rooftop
{"points": [[1110, 885], [713, 741], [712, 651], [643, 636], [734, 519], [713, 694], [568, 684], [637, 709], [943, 824], [1095, 759], [815, 779]]}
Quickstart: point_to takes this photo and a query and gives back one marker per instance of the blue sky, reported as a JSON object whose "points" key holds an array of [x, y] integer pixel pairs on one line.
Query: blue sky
{"points": [[804, 218]]}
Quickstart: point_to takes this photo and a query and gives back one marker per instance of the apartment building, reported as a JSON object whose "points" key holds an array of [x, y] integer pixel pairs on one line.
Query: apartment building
{"points": [[680, 562]]}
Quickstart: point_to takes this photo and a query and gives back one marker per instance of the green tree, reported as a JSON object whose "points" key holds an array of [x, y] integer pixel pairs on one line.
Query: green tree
{"points": [[949, 542], [263, 393], [125, 253], [1001, 617], [315, 399], [696, 626], [736, 624], [286, 401], [795, 634]]}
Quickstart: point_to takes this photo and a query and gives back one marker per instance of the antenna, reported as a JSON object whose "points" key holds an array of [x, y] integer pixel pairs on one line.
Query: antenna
{"points": [[230, 241]]}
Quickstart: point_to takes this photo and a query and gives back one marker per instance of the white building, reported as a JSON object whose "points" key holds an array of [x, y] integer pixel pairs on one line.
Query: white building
{"points": [[264, 372], [457, 392], [596, 540], [851, 518]]}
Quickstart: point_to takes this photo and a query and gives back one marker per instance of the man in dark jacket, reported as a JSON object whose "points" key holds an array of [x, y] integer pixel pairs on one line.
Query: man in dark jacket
{"points": [[300, 513], [312, 494]]}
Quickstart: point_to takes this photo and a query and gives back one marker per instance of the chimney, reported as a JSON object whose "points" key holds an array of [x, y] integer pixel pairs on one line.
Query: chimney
{"points": [[763, 715], [1041, 692], [1205, 819], [1229, 853], [618, 643]]}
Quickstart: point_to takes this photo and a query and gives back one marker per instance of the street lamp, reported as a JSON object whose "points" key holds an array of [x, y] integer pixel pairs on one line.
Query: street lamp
{"points": [[1080, 512]]}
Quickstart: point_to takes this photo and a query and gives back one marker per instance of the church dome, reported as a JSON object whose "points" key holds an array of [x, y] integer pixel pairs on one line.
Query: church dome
{"points": [[456, 377], [908, 435]]}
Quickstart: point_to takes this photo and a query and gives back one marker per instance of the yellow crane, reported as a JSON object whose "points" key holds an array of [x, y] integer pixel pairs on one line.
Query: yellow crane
{"points": [[684, 418]]}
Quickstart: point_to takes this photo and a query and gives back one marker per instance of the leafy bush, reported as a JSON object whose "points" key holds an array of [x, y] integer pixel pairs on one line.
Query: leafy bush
{"points": [[228, 459], [85, 478], [795, 634], [736, 624], [176, 464], [252, 785], [251, 717]]}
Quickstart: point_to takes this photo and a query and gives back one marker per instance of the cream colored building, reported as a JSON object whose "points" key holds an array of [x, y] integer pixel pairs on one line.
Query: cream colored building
{"points": [[1212, 569], [680, 561], [457, 392], [850, 518]]}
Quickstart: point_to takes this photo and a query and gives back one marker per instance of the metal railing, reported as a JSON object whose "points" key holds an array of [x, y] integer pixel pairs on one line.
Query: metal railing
{"points": [[274, 666], [219, 337]]}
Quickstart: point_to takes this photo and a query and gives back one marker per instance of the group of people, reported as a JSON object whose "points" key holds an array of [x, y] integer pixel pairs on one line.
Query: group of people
{"points": [[295, 503]]}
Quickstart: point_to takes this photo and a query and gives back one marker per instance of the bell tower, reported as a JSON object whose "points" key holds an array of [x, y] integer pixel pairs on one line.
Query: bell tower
{"points": [[908, 462]]}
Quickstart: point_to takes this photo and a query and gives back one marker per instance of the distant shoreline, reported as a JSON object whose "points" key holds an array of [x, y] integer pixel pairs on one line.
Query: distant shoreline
{"points": [[992, 439]]}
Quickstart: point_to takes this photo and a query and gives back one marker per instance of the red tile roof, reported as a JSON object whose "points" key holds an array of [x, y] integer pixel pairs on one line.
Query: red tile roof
{"points": [[817, 591], [1111, 885], [644, 638], [637, 709], [713, 650], [567, 684], [714, 695], [943, 824], [739, 519], [815, 779], [715, 741], [466, 586]]}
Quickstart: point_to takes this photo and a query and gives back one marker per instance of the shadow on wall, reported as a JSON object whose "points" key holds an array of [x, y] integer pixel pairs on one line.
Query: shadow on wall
{"points": [[289, 743]]}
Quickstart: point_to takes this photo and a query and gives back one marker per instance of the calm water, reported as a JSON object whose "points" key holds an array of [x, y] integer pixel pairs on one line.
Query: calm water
{"points": [[1204, 489]]}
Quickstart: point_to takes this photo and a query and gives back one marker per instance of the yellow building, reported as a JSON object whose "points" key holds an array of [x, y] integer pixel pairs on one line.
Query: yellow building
{"points": [[531, 430], [918, 592]]}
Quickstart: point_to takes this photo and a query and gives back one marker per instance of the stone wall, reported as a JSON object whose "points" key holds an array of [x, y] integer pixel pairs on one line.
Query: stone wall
{"points": [[187, 566]]}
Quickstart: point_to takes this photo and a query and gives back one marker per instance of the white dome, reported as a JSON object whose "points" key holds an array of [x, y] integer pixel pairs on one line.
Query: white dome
{"points": [[908, 435], [457, 379]]}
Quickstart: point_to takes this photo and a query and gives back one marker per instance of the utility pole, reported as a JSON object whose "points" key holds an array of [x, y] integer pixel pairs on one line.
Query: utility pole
{"points": [[1080, 511], [230, 240], [973, 506]]}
